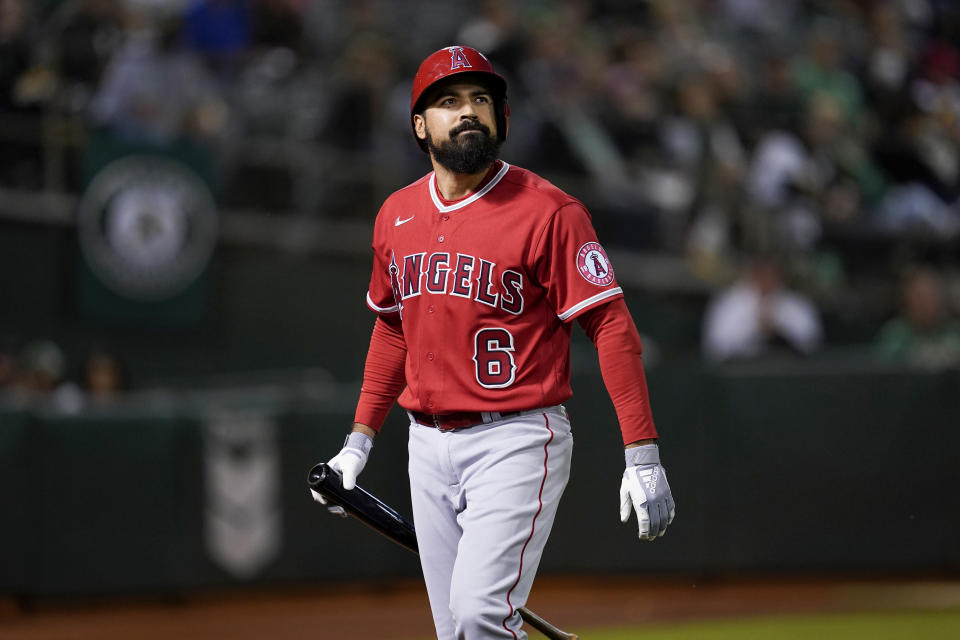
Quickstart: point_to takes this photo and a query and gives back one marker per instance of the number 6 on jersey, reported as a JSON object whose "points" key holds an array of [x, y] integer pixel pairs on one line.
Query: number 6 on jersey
{"points": [[493, 355]]}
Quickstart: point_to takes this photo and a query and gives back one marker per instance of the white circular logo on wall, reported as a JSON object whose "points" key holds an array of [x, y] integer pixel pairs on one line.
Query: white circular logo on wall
{"points": [[593, 264], [147, 227]]}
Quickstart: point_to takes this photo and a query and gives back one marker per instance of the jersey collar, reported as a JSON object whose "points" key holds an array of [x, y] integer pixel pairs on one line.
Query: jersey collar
{"points": [[459, 204]]}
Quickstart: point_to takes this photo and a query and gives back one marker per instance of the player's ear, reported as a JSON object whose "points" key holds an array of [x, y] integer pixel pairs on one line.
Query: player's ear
{"points": [[420, 126]]}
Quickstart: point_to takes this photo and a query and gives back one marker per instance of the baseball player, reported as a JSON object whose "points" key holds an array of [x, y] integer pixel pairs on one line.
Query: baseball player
{"points": [[479, 270]]}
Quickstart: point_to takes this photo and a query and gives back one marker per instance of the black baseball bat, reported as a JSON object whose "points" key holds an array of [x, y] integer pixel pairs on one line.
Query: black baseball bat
{"points": [[385, 520]]}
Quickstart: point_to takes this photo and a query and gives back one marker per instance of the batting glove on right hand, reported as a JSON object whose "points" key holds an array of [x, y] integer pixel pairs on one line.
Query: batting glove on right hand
{"points": [[348, 463], [645, 489]]}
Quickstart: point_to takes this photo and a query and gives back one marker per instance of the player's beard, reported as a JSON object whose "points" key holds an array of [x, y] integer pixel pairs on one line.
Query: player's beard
{"points": [[471, 153]]}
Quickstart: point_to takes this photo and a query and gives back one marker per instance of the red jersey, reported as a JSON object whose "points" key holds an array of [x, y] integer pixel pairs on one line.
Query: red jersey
{"points": [[486, 288]]}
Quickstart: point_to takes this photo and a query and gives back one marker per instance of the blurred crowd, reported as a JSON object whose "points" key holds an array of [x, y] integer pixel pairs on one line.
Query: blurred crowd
{"points": [[700, 125], [39, 373], [713, 130], [760, 315]]}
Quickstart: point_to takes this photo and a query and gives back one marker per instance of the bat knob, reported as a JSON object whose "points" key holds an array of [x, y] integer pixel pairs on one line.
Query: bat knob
{"points": [[318, 474]]}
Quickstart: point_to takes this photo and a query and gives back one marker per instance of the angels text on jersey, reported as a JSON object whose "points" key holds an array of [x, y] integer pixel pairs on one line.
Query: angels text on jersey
{"points": [[459, 274]]}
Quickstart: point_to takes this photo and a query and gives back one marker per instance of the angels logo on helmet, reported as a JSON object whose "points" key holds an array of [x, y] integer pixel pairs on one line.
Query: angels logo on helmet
{"points": [[458, 59]]}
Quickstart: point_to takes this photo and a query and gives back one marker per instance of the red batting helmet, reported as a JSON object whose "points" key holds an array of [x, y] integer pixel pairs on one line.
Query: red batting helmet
{"points": [[454, 60]]}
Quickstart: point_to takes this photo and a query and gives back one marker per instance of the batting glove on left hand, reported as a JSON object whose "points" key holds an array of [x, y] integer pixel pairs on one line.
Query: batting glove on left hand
{"points": [[348, 463], [645, 489]]}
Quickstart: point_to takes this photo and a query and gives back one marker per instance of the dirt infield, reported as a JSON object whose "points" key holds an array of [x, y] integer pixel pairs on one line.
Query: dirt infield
{"points": [[399, 610]]}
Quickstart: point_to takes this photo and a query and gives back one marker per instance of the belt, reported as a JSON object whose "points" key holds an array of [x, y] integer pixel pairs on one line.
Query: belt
{"points": [[459, 419]]}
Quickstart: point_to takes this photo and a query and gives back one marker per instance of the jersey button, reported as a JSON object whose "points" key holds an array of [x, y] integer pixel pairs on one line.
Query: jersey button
{"points": [[430, 309], [440, 239], [444, 217], [430, 356]]}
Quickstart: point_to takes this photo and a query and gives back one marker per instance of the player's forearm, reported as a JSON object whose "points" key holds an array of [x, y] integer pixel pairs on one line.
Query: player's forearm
{"points": [[626, 382], [640, 443], [619, 350], [364, 429], [383, 376]]}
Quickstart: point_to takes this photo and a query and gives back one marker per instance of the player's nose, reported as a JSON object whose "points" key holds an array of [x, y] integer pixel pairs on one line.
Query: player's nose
{"points": [[467, 121], [469, 113]]}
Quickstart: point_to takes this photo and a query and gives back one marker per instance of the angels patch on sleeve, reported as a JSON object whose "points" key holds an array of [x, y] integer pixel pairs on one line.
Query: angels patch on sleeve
{"points": [[593, 264], [576, 272]]}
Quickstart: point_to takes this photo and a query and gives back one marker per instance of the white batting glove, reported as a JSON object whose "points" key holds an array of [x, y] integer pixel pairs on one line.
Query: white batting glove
{"points": [[348, 463], [645, 489]]}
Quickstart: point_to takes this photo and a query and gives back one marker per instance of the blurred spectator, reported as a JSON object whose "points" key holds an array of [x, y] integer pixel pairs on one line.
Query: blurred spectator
{"points": [[922, 161], [775, 103], [725, 70], [496, 31], [154, 92], [330, 26], [759, 19], [563, 75], [104, 376], [88, 38], [39, 377], [278, 23], [364, 79], [921, 152], [821, 71], [913, 208], [923, 334], [889, 58], [42, 378], [797, 183], [221, 31], [678, 26], [632, 98], [42, 366], [759, 316], [936, 89], [916, 149], [704, 149]]}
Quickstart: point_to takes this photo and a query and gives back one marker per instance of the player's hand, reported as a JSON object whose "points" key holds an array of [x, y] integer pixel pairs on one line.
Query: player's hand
{"points": [[645, 489], [348, 463]]}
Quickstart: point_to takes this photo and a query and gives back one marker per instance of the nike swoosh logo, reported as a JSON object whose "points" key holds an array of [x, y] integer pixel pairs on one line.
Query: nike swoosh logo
{"points": [[399, 222]]}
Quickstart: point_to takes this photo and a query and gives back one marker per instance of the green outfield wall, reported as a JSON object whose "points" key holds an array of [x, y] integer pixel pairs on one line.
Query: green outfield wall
{"points": [[789, 468]]}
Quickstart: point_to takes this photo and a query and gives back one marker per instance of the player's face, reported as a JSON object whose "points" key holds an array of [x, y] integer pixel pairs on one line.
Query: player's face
{"points": [[459, 126]]}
